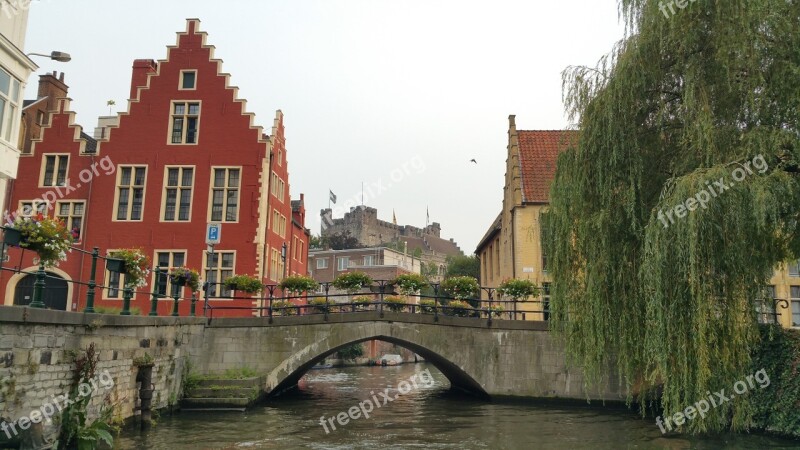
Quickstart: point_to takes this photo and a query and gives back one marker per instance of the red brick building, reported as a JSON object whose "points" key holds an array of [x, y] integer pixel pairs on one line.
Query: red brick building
{"points": [[186, 153]]}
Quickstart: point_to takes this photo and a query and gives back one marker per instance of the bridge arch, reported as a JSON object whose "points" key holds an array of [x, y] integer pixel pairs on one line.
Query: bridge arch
{"points": [[293, 368]]}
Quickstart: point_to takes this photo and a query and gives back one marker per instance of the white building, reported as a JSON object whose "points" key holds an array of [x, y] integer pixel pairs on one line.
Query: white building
{"points": [[15, 68]]}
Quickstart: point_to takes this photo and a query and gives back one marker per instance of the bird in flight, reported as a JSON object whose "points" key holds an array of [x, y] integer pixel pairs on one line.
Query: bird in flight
{"points": [[473, 160]]}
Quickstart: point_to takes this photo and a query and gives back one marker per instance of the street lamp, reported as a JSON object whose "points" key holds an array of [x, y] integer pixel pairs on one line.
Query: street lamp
{"points": [[55, 56]]}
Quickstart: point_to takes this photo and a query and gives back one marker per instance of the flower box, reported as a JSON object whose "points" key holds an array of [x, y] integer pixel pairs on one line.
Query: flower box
{"points": [[115, 265], [12, 237]]}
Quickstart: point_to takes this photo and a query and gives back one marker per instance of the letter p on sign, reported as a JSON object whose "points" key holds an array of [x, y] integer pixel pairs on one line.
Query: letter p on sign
{"points": [[213, 233]]}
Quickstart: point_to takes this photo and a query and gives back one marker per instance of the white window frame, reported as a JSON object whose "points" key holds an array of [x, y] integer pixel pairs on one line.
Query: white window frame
{"points": [[61, 161], [9, 107], [324, 264], [216, 289], [37, 206], [339, 260], [184, 124], [181, 78], [794, 269], [131, 187], [369, 260], [794, 292], [71, 215], [225, 189], [171, 264], [179, 188]]}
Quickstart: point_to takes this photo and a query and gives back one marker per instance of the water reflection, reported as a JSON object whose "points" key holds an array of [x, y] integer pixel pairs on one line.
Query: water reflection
{"points": [[426, 417]]}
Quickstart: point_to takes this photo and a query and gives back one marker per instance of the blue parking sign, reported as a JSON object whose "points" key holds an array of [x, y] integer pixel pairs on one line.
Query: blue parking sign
{"points": [[213, 233]]}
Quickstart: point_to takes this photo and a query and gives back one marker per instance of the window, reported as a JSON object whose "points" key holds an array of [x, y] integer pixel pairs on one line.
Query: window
{"points": [[796, 306], [276, 266], [54, 172], [219, 266], [72, 215], [33, 207], [280, 157], [369, 260], [343, 262], [322, 263], [130, 192], [278, 188], [278, 223], [794, 269], [225, 195], [114, 283], [188, 79], [301, 248], [166, 260], [178, 193], [546, 301], [9, 101], [765, 306], [185, 121]]}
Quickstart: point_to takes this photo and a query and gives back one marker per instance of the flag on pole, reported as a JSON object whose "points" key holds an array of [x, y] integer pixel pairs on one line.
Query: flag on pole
{"points": [[394, 218], [333, 197], [427, 216]]}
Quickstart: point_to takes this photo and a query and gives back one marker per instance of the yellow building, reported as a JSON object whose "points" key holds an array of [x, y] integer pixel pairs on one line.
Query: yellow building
{"points": [[511, 248]]}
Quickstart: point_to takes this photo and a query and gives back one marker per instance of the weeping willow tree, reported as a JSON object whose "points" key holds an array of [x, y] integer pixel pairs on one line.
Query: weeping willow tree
{"points": [[685, 101]]}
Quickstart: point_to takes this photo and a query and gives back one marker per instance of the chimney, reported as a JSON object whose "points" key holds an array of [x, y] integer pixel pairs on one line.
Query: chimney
{"points": [[141, 69], [52, 86]]}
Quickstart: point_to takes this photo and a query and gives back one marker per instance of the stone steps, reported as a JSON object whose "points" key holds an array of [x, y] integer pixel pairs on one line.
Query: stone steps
{"points": [[219, 394]]}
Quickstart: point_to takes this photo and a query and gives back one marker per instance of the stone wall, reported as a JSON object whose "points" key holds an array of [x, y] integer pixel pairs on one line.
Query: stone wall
{"points": [[37, 349]]}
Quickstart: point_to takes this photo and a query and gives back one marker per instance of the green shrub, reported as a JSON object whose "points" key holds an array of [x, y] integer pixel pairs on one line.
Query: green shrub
{"points": [[351, 352], [395, 304], [362, 303], [320, 304], [135, 311], [284, 308], [458, 308], [496, 311], [427, 306]]}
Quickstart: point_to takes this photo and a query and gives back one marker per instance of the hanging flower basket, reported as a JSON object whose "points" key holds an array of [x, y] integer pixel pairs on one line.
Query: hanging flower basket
{"points": [[461, 288], [244, 283], [184, 276], [136, 266], [298, 284], [352, 282], [518, 290], [410, 283], [48, 237]]}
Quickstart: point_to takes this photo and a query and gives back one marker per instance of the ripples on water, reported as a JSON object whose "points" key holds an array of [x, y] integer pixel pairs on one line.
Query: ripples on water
{"points": [[428, 417]]}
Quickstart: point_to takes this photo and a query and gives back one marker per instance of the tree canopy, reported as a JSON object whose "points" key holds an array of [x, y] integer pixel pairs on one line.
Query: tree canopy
{"points": [[680, 197], [463, 266]]}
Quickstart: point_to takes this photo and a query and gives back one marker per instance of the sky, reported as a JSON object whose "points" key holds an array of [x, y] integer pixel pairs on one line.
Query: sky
{"points": [[395, 96]]}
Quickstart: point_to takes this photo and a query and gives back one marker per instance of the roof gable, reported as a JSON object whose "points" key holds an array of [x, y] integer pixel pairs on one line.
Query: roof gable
{"points": [[538, 153]]}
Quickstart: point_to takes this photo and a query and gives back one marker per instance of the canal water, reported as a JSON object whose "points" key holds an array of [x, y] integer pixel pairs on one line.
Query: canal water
{"points": [[422, 414]]}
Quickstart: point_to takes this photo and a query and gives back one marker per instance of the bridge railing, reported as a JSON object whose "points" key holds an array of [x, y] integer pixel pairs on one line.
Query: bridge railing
{"points": [[382, 297]]}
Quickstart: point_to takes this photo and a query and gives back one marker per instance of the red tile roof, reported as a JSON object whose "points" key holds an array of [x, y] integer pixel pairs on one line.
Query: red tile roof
{"points": [[538, 152]]}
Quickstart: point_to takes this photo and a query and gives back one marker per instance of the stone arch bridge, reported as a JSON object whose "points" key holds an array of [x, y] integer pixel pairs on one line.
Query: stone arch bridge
{"points": [[504, 359]]}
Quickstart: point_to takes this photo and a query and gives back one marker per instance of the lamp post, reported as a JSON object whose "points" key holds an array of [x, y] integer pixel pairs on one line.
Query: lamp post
{"points": [[283, 257], [55, 56]]}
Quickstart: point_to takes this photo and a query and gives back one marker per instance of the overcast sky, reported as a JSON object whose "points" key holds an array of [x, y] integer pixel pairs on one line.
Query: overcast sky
{"points": [[400, 95]]}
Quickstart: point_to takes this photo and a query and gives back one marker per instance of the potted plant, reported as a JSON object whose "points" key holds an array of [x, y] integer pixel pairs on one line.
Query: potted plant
{"points": [[284, 308], [352, 282], [362, 303], [459, 308], [320, 304], [410, 283], [136, 264], [495, 310], [11, 236], [244, 283], [115, 265], [297, 284], [48, 237], [396, 304], [427, 306], [184, 276]]}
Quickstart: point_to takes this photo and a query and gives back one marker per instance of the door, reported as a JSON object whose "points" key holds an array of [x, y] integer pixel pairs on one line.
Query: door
{"points": [[54, 295]]}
